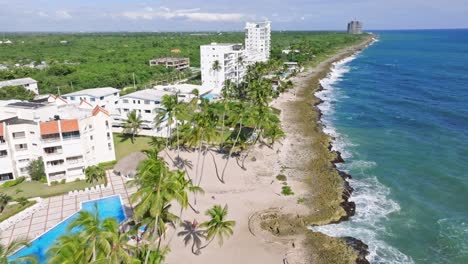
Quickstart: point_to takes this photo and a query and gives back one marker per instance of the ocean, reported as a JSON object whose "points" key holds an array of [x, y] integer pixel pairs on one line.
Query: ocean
{"points": [[399, 113]]}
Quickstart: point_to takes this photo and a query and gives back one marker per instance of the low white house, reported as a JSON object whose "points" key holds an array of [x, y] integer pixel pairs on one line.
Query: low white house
{"points": [[106, 97], [28, 84]]}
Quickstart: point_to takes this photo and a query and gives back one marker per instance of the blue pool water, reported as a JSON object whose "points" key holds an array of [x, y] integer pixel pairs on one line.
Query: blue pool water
{"points": [[108, 207], [211, 96], [399, 113]]}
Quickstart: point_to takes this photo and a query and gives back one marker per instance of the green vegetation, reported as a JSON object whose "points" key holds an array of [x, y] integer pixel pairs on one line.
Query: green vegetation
{"points": [[124, 146], [31, 189], [15, 92], [286, 191], [95, 174], [111, 59], [282, 178], [14, 182], [4, 200], [12, 209], [133, 124], [12, 247], [36, 169]]}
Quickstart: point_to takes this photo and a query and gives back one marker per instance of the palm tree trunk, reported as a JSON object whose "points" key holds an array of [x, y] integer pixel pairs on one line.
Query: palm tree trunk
{"points": [[216, 168], [208, 243], [202, 168], [230, 151]]}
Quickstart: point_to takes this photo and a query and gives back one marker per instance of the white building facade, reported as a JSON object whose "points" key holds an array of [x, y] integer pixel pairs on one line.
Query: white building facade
{"points": [[67, 137], [27, 83], [258, 41], [229, 57]]}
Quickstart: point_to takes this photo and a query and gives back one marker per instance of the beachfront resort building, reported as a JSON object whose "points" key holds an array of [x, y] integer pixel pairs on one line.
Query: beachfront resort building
{"points": [[27, 83], [67, 137], [221, 62], [355, 27], [175, 63], [258, 41]]}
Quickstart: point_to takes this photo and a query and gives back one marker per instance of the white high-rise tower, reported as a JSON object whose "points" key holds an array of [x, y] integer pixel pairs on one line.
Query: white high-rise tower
{"points": [[258, 41]]}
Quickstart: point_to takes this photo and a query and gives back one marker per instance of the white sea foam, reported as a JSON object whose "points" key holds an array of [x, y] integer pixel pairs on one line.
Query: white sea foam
{"points": [[373, 204]]}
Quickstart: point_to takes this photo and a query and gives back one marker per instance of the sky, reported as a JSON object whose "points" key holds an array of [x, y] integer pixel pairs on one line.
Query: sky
{"points": [[228, 15]]}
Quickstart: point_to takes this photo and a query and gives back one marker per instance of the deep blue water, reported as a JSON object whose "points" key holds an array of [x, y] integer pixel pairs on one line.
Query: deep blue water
{"points": [[108, 207], [399, 111]]}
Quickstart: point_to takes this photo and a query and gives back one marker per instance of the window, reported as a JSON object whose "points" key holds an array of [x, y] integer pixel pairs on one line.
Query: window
{"points": [[91, 137], [108, 136], [90, 126], [21, 147], [109, 145], [3, 153], [107, 124], [148, 111], [147, 102], [17, 135], [101, 98], [125, 110], [134, 102], [23, 160], [93, 99], [32, 132], [6, 176], [138, 101], [125, 101], [72, 98]]}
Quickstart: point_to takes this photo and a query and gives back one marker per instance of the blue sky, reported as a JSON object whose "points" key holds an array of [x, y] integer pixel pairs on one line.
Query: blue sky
{"points": [[193, 15]]}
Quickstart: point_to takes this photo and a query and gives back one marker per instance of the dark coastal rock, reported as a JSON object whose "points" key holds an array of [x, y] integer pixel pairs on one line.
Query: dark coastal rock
{"points": [[338, 158], [344, 175], [360, 247]]}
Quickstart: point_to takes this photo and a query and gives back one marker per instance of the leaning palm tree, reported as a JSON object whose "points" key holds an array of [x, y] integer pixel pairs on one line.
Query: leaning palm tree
{"points": [[169, 103], [192, 233], [12, 247], [119, 250], [218, 226], [95, 173], [133, 123]]}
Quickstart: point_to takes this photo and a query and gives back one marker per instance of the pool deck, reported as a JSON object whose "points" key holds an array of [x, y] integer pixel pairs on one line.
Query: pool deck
{"points": [[57, 208]]}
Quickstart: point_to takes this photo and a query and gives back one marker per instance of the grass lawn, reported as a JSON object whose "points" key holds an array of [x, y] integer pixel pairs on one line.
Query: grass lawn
{"points": [[38, 189], [124, 146], [13, 209]]}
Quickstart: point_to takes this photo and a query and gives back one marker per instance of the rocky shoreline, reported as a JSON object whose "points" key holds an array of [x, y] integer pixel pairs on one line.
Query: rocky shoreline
{"points": [[348, 206]]}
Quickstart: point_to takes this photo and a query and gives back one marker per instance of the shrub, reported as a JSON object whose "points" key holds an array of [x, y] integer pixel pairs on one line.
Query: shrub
{"points": [[22, 201], [63, 181], [107, 165], [36, 169], [54, 183], [281, 177], [14, 182], [286, 191]]}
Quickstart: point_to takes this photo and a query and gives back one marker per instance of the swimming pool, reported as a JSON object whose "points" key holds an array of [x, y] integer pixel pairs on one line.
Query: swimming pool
{"points": [[211, 96], [108, 207]]}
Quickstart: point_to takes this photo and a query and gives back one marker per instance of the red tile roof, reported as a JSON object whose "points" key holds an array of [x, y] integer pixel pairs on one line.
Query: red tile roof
{"points": [[69, 125], [1, 129], [49, 127], [98, 109], [85, 102]]}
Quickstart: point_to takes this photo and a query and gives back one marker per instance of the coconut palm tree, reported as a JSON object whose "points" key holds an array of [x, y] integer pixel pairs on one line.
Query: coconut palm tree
{"points": [[95, 173], [150, 254], [216, 67], [218, 226], [133, 123], [93, 231], [119, 250], [12, 247], [192, 233], [69, 249], [169, 103], [4, 200]]}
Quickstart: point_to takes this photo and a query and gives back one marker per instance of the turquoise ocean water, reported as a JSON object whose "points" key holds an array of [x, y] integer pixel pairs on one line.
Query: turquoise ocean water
{"points": [[399, 112]]}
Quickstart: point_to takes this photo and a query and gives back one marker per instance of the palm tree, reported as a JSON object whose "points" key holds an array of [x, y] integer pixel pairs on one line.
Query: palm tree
{"points": [[119, 250], [4, 200], [95, 173], [151, 255], [12, 247], [133, 123], [93, 231], [169, 103], [69, 249], [192, 233], [218, 226], [216, 67]]}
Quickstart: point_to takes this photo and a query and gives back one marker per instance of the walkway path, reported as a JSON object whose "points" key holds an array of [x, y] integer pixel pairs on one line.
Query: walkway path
{"points": [[60, 207]]}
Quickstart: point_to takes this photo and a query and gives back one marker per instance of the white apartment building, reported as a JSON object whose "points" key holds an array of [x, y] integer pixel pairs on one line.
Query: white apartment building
{"points": [[28, 84], [106, 97], [231, 65], [67, 137], [258, 41]]}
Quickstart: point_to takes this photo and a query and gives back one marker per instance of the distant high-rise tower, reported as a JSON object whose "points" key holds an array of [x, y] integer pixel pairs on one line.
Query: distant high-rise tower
{"points": [[257, 40], [355, 27]]}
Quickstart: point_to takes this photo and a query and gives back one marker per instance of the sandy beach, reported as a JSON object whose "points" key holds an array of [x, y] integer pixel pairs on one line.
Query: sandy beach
{"points": [[255, 193]]}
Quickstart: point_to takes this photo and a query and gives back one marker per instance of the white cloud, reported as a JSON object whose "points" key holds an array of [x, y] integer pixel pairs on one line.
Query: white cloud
{"points": [[193, 14], [62, 14]]}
